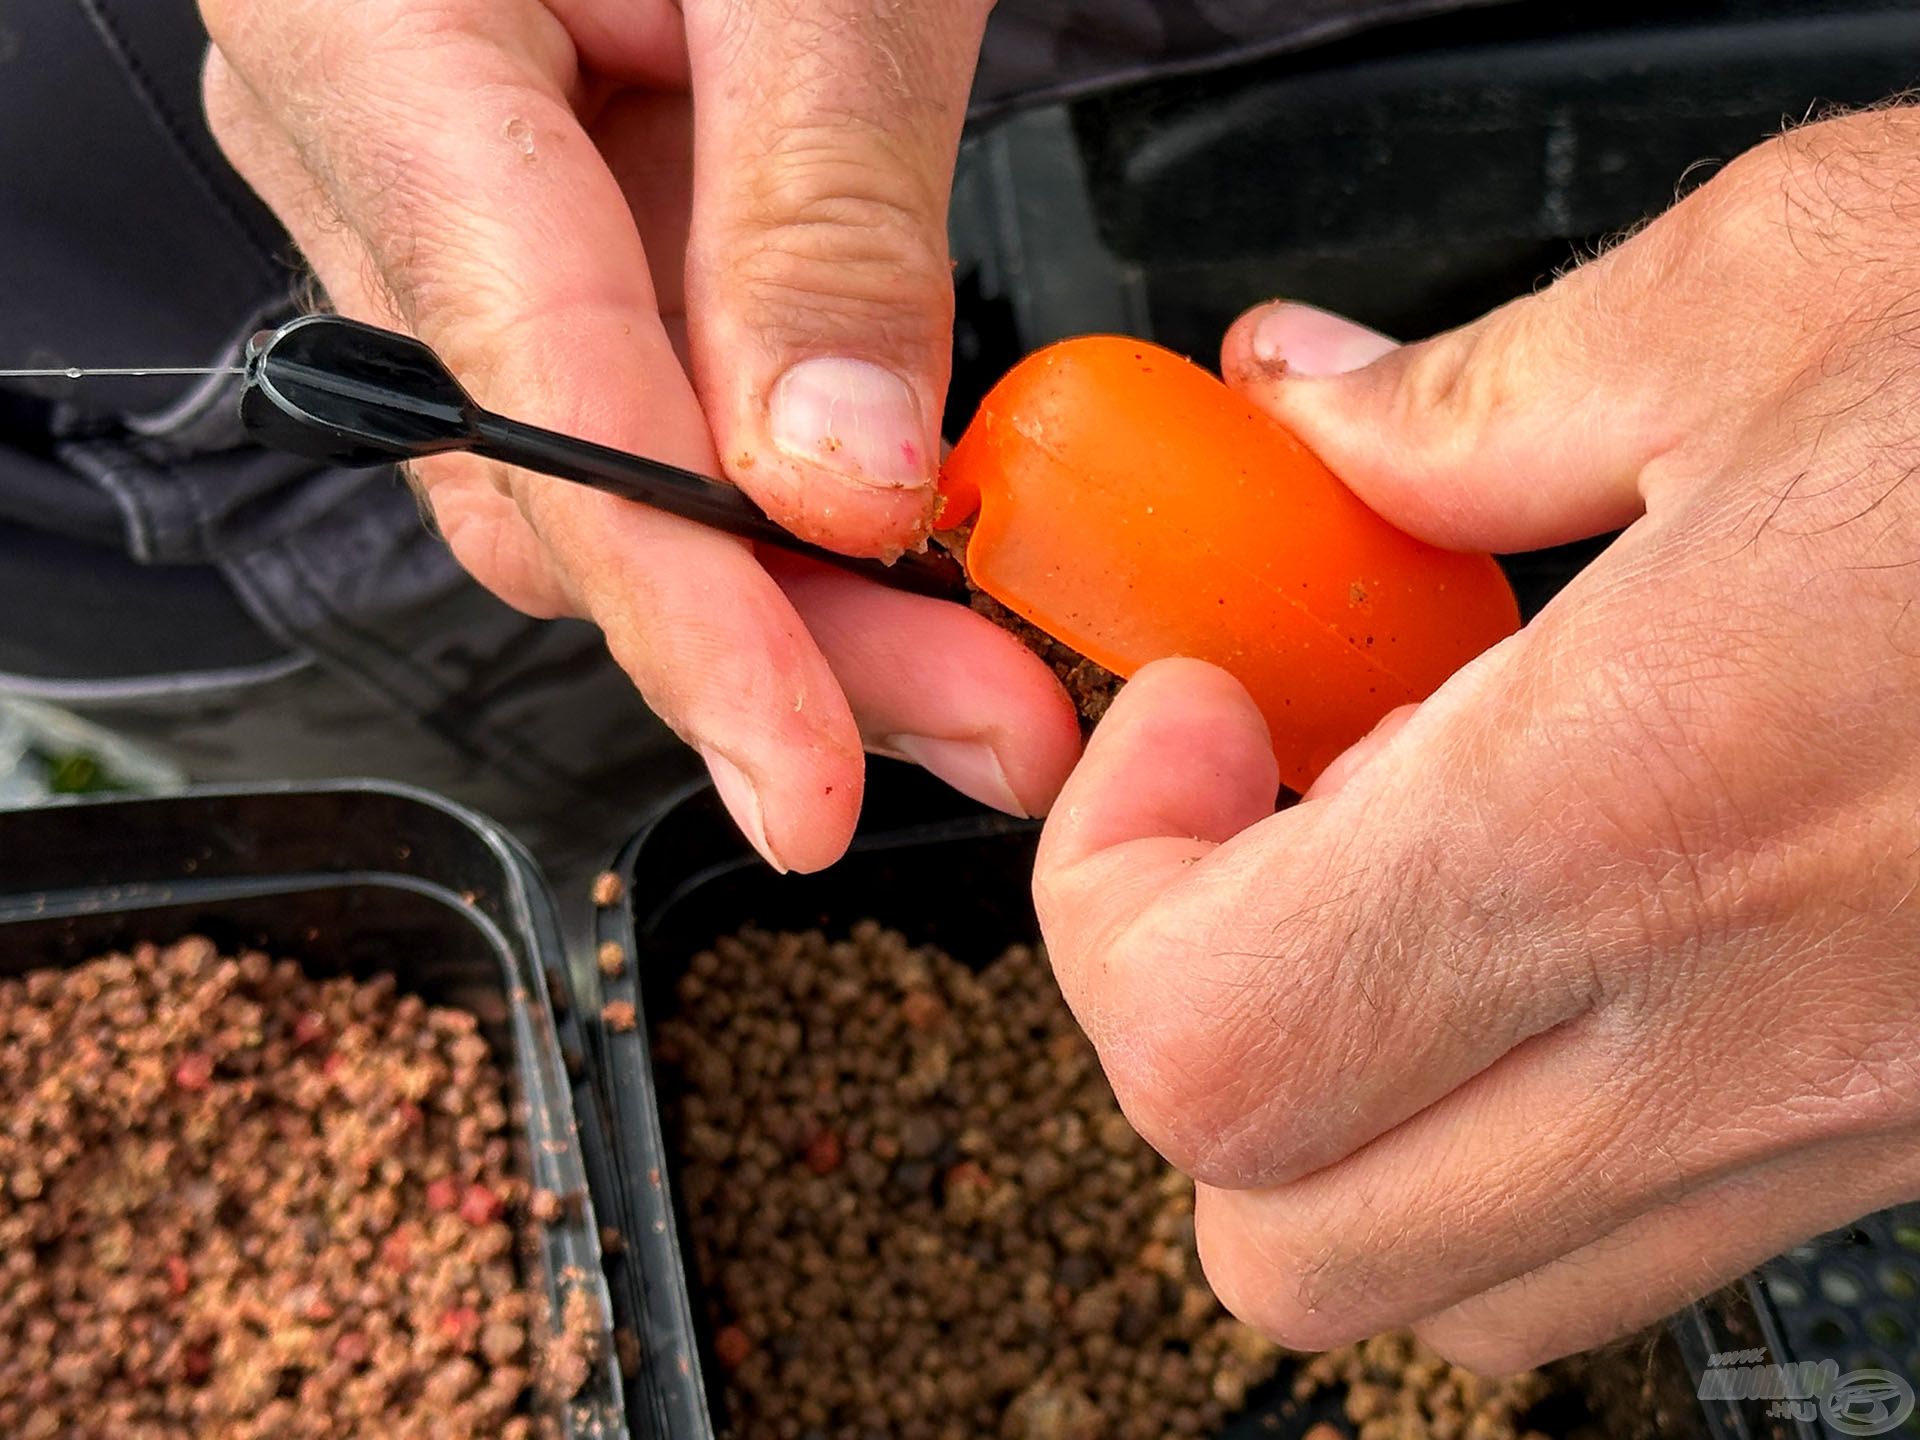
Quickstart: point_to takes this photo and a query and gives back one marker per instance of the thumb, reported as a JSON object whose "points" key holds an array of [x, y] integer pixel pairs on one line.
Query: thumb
{"points": [[819, 293], [1535, 425], [1494, 436], [1569, 412]]}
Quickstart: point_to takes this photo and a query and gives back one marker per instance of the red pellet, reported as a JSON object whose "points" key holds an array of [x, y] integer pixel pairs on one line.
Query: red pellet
{"points": [[480, 1206], [310, 1028], [194, 1072], [824, 1153]]}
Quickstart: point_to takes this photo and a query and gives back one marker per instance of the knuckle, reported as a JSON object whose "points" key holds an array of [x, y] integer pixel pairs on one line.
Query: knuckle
{"points": [[1240, 1038], [222, 98], [1152, 1084], [833, 227], [222, 20], [1260, 1148], [1153, 1079], [1161, 1058], [1486, 1348], [1239, 1136], [1274, 1288], [1457, 386], [1197, 1065]]}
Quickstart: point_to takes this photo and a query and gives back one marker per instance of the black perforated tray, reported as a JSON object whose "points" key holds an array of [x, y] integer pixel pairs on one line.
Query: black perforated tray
{"points": [[1850, 1300]]}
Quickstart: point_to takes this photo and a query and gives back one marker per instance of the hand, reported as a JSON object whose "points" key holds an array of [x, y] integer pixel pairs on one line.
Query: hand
{"points": [[763, 290], [1589, 983]]}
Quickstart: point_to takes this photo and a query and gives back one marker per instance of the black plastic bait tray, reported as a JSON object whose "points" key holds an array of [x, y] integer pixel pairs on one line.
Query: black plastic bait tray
{"points": [[355, 878]]}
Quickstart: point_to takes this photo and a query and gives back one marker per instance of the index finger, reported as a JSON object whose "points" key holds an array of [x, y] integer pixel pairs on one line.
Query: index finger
{"points": [[445, 138]]}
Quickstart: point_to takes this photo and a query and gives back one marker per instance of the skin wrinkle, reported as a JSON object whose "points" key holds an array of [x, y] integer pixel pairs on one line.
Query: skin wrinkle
{"points": [[1502, 918], [1143, 1070], [1191, 1092], [1662, 809], [832, 239], [842, 260], [436, 271], [814, 37], [1439, 390], [1398, 1029], [1355, 1260], [1187, 1080], [868, 309], [469, 506], [1613, 1239], [839, 144], [1221, 1159], [1783, 1105], [1263, 1144], [391, 196], [1776, 849]]}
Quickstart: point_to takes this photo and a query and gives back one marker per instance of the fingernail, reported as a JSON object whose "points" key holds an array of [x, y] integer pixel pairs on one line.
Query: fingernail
{"points": [[1303, 340], [969, 766], [853, 417], [742, 800]]}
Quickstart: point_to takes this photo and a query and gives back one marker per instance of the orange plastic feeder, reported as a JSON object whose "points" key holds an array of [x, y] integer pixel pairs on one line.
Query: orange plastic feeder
{"points": [[1132, 506]]}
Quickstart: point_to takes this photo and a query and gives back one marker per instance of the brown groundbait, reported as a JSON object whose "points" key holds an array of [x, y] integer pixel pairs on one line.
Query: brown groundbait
{"points": [[918, 1212], [240, 1202], [1091, 687]]}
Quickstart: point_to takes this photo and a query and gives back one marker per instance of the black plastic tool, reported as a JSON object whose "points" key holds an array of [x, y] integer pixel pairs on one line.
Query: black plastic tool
{"points": [[337, 390]]}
